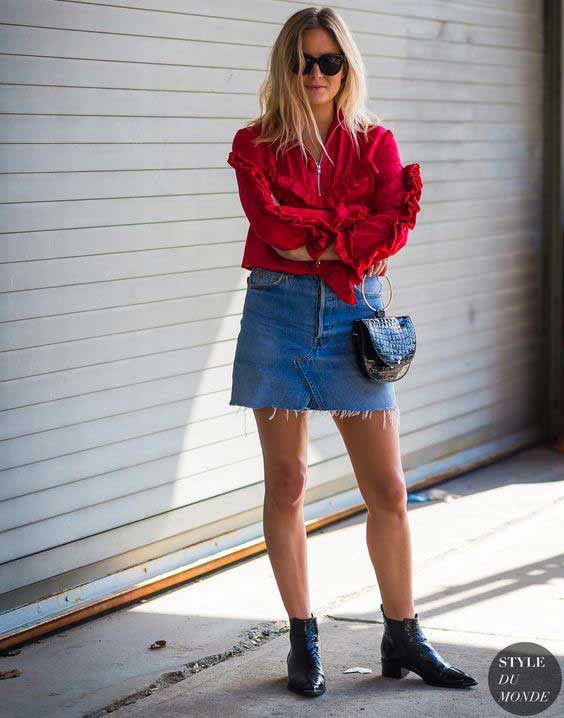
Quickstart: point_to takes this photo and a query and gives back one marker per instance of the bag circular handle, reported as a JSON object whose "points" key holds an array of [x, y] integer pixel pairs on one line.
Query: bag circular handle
{"points": [[366, 300]]}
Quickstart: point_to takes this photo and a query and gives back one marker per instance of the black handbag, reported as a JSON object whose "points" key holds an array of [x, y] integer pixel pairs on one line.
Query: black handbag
{"points": [[384, 346]]}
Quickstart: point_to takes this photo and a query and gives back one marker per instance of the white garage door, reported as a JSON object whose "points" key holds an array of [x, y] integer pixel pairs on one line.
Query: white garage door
{"points": [[122, 240]]}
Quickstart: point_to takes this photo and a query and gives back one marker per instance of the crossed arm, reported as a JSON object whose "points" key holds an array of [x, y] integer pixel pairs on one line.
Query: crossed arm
{"points": [[281, 226], [301, 254], [303, 234]]}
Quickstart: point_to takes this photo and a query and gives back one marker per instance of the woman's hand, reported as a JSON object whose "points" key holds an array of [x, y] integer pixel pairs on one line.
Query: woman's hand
{"points": [[380, 268]]}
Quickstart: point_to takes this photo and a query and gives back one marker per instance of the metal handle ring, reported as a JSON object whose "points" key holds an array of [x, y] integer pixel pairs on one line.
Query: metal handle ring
{"points": [[364, 295]]}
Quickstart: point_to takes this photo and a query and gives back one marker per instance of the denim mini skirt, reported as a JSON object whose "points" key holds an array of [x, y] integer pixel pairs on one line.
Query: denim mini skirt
{"points": [[294, 350]]}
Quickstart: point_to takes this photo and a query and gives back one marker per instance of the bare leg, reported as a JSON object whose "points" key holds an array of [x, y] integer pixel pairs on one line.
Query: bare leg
{"points": [[284, 443], [375, 456]]}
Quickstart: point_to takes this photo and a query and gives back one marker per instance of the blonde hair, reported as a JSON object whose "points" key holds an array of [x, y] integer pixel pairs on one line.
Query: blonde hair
{"points": [[285, 112]]}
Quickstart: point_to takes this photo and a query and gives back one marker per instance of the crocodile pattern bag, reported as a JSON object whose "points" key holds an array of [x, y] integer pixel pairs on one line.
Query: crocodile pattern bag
{"points": [[384, 346]]}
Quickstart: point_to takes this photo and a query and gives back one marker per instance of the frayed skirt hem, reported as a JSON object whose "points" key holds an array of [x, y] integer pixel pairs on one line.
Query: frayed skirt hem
{"points": [[390, 413]]}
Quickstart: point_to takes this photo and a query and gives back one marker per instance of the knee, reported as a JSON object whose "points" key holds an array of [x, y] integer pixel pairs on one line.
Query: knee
{"points": [[285, 483], [390, 495]]}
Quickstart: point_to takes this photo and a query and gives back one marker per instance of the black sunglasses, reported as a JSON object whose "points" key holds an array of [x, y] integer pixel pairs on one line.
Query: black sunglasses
{"points": [[329, 64]]}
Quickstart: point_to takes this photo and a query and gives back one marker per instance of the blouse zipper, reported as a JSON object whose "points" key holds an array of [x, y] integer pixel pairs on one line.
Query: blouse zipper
{"points": [[318, 261], [318, 165]]}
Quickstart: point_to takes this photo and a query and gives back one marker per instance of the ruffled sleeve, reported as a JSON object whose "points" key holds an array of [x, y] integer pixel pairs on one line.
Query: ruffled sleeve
{"points": [[365, 240], [278, 225]]}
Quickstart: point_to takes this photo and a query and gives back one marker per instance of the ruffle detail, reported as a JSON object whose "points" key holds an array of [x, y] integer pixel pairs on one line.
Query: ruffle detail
{"points": [[319, 228], [399, 223], [348, 197], [356, 185], [414, 184], [346, 215], [342, 249], [294, 193], [350, 188]]}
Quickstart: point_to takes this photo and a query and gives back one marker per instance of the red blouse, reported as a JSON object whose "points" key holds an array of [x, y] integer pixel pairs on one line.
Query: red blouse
{"points": [[367, 203]]}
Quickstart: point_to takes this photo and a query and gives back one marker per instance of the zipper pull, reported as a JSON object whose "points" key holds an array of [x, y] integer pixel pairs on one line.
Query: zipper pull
{"points": [[318, 176]]}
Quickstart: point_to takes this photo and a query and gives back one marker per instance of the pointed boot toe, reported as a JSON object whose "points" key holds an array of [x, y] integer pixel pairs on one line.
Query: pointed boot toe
{"points": [[405, 648]]}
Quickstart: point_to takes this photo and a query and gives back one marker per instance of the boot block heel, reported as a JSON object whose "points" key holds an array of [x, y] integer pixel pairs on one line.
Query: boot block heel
{"points": [[393, 669], [404, 639]]}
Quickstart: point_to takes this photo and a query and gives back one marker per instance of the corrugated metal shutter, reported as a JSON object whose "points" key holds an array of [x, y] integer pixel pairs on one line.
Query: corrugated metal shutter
{"points": [[123, 235]]}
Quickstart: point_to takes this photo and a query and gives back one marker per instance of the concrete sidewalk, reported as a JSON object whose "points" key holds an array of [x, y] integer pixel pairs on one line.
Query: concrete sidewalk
{"points": [[488, 572]]}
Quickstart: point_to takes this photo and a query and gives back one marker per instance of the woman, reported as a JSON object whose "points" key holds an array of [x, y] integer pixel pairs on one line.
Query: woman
{"points": [[328, 201]]}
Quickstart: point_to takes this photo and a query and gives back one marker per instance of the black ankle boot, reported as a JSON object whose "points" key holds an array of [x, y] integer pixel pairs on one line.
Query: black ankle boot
{"points": [[405, 648], [305, 672]]}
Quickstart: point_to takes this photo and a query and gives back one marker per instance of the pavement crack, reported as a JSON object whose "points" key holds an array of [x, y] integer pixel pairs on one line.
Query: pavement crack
{"points": [[252, 639]]}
